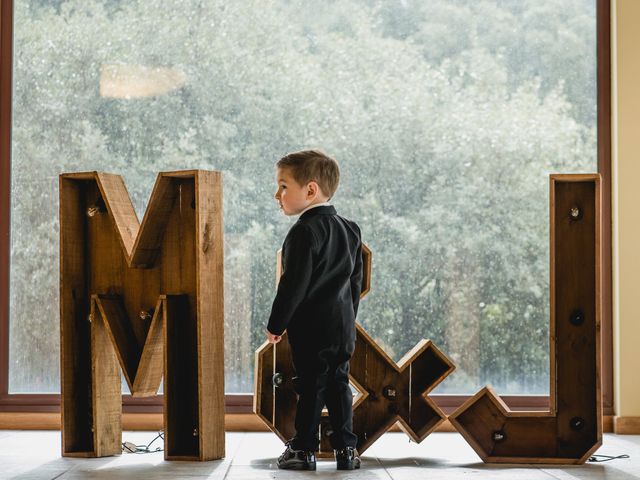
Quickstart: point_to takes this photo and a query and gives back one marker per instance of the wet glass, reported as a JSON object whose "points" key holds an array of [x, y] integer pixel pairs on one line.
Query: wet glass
{"points": [[446, 118]]}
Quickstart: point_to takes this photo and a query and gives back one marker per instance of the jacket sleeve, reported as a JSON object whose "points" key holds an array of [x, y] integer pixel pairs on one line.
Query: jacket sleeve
{"points": [[297, 262], [356, 280]]}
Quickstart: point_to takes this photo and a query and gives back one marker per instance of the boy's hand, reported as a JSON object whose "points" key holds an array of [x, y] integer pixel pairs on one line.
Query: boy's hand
{"points": [[271, 338]]}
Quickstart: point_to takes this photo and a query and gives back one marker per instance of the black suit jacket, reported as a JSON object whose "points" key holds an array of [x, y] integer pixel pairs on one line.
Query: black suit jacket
{"points": [[319, 290]]}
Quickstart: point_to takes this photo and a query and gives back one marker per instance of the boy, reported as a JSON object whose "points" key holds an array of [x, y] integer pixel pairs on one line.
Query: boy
{"points": [[316, 303]]}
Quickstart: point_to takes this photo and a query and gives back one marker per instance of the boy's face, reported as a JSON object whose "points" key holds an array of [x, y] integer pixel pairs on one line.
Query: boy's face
{"points": [[293, 197]]}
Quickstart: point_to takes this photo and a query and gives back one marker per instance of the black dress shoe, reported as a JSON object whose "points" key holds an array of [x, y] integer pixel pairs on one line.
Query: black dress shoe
{"points": [[297, 459], [347, 459]]}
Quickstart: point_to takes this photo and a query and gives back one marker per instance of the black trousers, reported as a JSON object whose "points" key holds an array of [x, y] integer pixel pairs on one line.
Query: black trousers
{"points": [[322, 378]]}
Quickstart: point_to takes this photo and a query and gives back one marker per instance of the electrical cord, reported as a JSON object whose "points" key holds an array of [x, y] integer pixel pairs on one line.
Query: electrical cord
{"points": [[128, 447], [606, 458]]}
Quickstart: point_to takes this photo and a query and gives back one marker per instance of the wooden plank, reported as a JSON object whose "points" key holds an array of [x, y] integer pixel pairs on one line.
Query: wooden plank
{"points": [[367, 265], [182, 173], [180, 380], [79, 175], [159, 212], [423, 370], [575, 289], [210, 313], [151, 366], [234, 422], [264, 394], [118, 204], [625, 425], [107, 395], [285, 398], [376, 371], [178, 261], [75, 345], [110, 310]]}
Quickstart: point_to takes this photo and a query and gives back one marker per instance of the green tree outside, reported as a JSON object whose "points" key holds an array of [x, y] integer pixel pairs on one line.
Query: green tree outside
{"points": [[446, 118]]}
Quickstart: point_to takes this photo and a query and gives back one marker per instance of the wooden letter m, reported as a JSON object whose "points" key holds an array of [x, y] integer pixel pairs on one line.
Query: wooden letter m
{"points": [[147, 297]]}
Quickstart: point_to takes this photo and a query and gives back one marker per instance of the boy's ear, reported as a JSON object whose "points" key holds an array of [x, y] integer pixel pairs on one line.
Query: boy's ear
{"points": [[312, 189]]}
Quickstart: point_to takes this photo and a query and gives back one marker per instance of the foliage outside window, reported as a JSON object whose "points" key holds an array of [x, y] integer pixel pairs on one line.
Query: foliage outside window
{"points": [[446, 117]]}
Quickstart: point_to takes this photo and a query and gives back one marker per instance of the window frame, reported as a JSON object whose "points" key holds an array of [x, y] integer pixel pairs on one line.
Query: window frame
{"points": [[242, 403]]}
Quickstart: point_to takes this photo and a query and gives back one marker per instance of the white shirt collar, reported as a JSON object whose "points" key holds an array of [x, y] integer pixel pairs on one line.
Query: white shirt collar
{"points": [[323, 204]]}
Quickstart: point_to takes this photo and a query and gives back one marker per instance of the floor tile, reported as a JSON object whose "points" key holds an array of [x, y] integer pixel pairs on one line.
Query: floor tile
{"points": [[36, 455]]}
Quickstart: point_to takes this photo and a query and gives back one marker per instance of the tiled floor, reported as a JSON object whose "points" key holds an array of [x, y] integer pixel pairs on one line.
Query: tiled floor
{"points": [[36, 455]]}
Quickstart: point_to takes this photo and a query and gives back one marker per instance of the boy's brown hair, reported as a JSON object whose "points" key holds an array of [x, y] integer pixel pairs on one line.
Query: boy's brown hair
{"points": [[312, 165]]}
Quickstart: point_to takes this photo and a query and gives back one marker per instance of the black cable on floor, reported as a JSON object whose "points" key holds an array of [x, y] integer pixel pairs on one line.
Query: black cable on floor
{"points": [[129, 447], [605, 458]]}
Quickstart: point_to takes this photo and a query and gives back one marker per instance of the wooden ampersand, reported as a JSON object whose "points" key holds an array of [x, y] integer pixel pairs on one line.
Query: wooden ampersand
{"points": [[149, 297], [572, 429], [386, 392], [393, 392]]}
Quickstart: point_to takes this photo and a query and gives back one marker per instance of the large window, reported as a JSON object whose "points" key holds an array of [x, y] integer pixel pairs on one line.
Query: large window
{"points": [[446, 118]]}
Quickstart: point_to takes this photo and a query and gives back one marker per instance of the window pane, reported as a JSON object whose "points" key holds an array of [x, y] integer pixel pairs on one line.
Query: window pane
{"points": [[446, 117]]}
